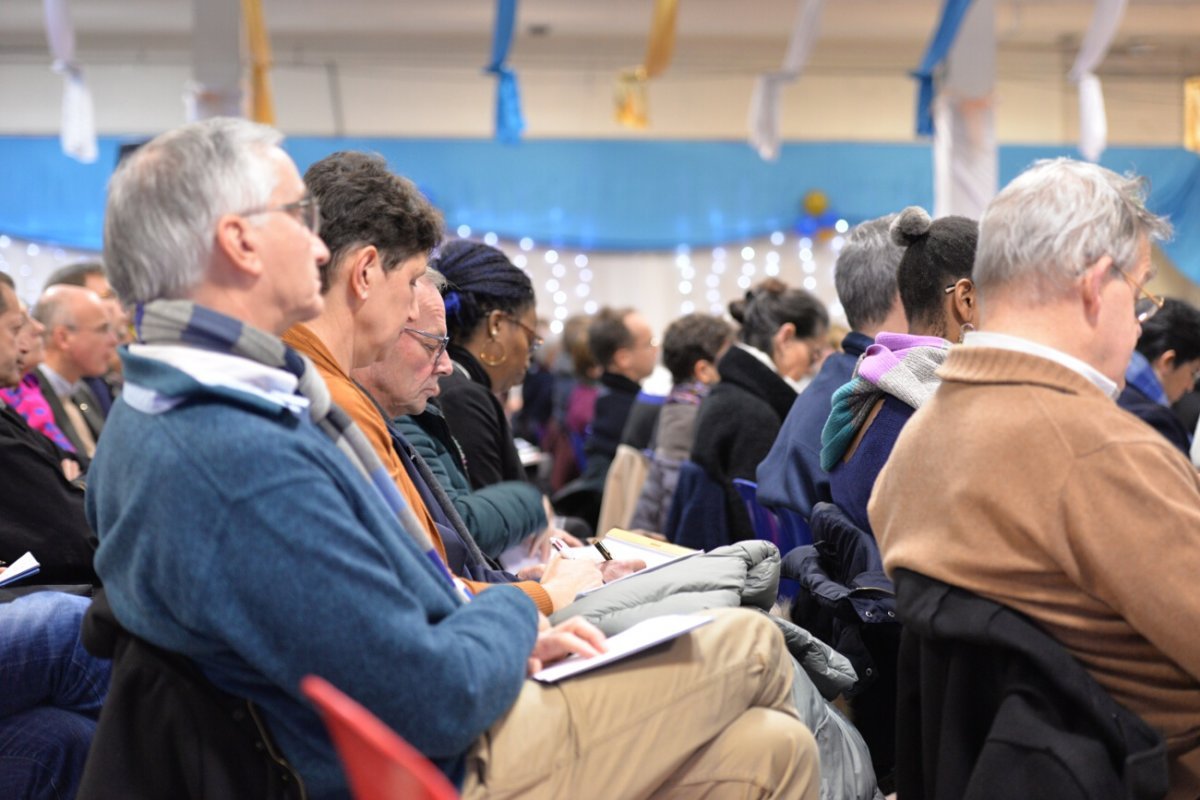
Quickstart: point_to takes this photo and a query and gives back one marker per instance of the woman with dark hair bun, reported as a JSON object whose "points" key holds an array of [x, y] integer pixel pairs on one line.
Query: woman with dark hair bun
{"points": [[781, 339], [491, 319], [899, 371]]}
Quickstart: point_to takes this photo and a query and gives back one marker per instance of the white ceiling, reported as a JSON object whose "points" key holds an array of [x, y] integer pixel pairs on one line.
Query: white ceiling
{"points": [[1156, 37]]}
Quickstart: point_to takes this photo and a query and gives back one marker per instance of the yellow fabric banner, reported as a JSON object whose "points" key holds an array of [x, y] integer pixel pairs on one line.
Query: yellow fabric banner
{"points": [[630, 95], [262, 107], [1191, 114]]}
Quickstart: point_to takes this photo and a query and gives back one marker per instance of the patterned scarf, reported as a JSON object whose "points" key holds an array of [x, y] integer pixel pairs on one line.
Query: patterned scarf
{"points": [[184, 322], [688, 393], [897, 364]]}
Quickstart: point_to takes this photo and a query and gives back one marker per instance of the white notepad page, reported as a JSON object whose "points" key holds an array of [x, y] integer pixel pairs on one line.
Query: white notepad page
{"points": [[642, 636]]}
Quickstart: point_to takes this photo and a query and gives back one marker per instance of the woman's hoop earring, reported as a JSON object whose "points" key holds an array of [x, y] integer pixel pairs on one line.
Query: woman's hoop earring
{"points": [[964, 330], [489, 358]]}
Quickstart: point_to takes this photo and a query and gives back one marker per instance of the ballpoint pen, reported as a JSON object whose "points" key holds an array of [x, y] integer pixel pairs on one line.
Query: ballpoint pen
{"points": [[603, 550]]}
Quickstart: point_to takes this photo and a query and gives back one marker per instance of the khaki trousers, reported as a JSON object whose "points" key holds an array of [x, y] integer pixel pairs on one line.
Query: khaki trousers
{"points": [[709, 715]]}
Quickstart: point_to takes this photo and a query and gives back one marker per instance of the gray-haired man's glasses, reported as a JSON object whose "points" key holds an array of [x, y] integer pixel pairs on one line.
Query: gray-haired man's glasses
{"points": [[434, 344], [1148, 304], [306, 211]]}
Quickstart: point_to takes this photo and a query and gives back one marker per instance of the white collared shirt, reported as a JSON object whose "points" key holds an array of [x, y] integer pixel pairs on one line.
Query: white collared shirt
{"points": [[1006, 341], [61, 386]]}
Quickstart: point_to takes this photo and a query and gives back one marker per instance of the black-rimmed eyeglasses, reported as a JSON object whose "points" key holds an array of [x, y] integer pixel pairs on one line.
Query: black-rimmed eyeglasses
{"points": [[435, 345], [306, 211]]}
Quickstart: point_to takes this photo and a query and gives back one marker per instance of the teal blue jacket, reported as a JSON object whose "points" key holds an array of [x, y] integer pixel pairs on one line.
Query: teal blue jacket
{"points": [[498, 516]]}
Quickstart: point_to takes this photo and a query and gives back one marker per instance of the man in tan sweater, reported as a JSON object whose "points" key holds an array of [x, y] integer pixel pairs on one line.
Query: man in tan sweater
{"points": [[1022, 481]]}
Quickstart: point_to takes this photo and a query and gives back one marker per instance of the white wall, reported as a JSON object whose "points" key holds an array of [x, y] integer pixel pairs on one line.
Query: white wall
{"points": [[846, 95], [411, 88]]}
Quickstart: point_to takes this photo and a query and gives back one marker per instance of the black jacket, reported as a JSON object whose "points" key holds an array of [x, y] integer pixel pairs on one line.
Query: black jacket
{"points": [[1159, 417], [846, 600], [990, 706], [736, 427], [40, 510], [613, 404], [165, 731], [478, 422]]}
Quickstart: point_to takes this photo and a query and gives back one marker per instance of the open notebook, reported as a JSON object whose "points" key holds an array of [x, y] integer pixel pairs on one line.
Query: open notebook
{"points": [[644, 635], [23, 567], [626, 545], [622, 545]]}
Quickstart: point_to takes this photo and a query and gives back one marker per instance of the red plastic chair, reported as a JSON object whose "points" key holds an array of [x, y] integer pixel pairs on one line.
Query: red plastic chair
{"points": [[378, 762]]}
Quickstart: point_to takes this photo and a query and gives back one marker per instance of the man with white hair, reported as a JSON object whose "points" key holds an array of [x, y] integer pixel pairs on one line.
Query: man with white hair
{"points": [[246, 524], [1023, 482]]}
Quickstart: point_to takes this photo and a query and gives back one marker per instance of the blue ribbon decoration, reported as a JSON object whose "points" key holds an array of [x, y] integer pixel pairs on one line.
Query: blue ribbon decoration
{"points": [[943, 39], [509, 122]]}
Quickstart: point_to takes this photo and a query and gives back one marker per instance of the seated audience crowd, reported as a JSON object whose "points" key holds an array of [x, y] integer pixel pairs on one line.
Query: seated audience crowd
{"points": [[270, 436]]}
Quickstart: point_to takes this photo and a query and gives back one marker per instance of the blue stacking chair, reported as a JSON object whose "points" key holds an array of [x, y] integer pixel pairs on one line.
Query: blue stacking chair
{"points": [[785, 533]]}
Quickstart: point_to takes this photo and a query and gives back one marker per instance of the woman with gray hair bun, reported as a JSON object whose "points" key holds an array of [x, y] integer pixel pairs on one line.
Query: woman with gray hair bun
{"points": [[780, 340]]}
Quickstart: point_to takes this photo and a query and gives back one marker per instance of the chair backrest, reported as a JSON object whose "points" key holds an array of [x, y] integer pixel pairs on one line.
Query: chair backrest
{"points": [[697, 516], [786, 535], [782, 532], [379, 764], [794, 526], [622, 487]]}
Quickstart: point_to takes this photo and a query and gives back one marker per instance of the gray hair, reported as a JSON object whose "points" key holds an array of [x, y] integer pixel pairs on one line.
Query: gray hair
{"points": [[165, 199], [437, 279], [865, 274], [1055, 220]]}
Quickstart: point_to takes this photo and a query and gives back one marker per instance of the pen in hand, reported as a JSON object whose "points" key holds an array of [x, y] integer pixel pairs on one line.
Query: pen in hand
{"points": [[603, 550]]}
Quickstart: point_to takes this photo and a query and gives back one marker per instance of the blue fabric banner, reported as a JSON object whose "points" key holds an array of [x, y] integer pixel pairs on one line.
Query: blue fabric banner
{"points": [[939, 47], [509, 122], [608, 194]]}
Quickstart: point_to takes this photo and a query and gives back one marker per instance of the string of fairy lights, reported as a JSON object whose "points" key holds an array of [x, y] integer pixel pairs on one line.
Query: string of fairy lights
{"points": [[668, 284], [662, 284]]}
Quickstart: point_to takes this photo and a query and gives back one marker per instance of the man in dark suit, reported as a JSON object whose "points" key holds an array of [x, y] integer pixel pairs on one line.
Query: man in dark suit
{"points": [[90, 275], [41, 495], [80, 340]]}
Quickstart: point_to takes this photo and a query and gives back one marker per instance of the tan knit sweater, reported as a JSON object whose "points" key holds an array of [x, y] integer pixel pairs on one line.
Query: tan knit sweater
{"points": [[1021, 481]]}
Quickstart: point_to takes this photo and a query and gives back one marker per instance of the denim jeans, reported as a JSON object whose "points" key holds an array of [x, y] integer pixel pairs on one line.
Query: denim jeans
{"points": [[51, 690]]}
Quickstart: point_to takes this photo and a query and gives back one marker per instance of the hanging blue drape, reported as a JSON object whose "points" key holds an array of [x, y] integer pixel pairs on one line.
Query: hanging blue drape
{"points": [[943, 39], [608, 194], [509, 122]]}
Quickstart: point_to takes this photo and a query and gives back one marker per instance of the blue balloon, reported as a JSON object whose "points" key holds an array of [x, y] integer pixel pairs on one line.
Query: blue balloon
{"points": [[806, 225]]}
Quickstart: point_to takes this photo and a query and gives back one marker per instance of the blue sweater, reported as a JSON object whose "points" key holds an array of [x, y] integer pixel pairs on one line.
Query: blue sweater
{"points": [[851, 481], [234, 532]]}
